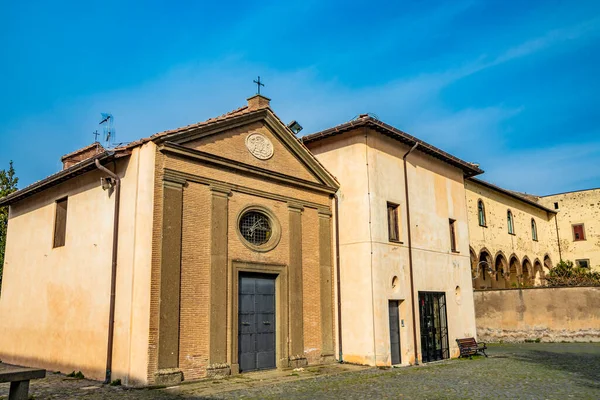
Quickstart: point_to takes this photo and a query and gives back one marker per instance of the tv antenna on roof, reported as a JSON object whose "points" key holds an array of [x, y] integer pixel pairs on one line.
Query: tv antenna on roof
{"points": [[109, 130]]}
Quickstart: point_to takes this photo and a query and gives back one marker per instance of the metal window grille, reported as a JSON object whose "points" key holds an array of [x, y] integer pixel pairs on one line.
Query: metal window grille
{"points": [[256, 227]]}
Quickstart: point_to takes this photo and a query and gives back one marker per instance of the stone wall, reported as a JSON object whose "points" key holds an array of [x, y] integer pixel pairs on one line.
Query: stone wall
{"points": [[581, 207], [547, 314]]}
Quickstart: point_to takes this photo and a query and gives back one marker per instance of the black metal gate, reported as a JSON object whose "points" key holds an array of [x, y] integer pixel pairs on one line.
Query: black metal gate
{"points": [[434, 326], [394, 332], [256, 316]]}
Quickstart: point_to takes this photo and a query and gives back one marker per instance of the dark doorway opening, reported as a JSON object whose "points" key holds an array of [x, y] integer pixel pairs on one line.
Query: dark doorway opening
{"points": [[256, 322], [434, 326], [394, 332]]}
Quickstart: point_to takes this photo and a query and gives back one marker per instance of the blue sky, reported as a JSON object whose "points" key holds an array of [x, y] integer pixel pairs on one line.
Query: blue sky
{"points": [[511, 85]]}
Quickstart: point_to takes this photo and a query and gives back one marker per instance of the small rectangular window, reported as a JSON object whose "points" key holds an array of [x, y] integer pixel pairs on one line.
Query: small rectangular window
{"points": [[556, 205], [60, 222], [453, 235], [578, 232], [582, 263], [392, 216]]}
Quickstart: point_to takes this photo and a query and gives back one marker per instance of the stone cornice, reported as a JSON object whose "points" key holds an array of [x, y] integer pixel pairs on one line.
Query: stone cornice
{"points": [[201, 156]]}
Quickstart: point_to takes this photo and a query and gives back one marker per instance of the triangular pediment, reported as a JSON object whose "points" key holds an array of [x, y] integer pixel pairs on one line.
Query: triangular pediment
{"points": [[260, 140]]}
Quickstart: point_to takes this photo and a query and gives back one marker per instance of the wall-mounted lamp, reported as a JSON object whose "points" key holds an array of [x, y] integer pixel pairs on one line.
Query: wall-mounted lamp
{"points": [[295, 127], [107, 183]]}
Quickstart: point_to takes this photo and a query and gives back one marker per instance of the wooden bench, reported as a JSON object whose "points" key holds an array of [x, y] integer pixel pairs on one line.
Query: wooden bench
{"points": [[469, 347], [19, 378]]}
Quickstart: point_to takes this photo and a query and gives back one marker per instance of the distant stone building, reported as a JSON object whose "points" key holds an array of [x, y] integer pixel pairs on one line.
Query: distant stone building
{"points": [[512, 237], [578, 220], [516, 238]]}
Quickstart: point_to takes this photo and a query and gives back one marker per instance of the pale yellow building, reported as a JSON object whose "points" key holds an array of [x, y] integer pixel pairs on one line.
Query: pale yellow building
{"points": [[512, 237], [578, 218], [517, 238], [405, 278]]}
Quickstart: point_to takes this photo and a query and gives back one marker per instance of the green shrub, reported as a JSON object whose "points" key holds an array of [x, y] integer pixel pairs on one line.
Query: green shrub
{"points": [[567, 274]]}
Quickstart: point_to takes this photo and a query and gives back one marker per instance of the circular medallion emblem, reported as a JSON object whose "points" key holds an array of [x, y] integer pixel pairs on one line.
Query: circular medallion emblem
{"points": [[259, 146]]}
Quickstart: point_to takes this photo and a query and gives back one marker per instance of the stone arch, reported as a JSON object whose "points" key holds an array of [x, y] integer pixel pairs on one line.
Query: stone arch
{"points": [[501, 268], [538, 272], [527, 271], [548, 262], [473, 258], [484, 265], [514, 270]]}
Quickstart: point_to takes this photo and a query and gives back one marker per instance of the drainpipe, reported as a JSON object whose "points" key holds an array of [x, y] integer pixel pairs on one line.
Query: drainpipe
{"points": [[410, 262], [337, 266], [557, 236], [113, 276]]}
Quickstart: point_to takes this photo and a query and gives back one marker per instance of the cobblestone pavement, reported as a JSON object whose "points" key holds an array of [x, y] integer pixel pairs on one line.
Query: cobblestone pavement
{"points": [[513, 371]]}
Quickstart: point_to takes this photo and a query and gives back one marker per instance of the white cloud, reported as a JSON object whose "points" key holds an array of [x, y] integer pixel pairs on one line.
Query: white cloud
{"points": [[195, 92]]}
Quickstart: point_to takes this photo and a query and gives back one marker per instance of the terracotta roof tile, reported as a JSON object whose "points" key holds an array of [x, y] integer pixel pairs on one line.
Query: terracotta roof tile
{"points": [[469, 168], [235, 113]]}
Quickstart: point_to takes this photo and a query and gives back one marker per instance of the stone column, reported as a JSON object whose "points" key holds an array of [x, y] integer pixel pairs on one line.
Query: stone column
{"points": [[327, 349], [170, 282], [296, 315], [218, 282]]}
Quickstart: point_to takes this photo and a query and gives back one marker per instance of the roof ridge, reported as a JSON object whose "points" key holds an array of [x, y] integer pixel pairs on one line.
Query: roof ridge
{"points": [[512, 193]]}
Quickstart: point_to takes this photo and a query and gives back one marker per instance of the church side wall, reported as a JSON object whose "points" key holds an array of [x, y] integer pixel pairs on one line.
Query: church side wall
{"points": [[346, 159], [55, 301]]}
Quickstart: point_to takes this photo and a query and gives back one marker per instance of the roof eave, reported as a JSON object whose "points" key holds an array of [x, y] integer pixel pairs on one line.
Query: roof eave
{"points": [[383, 128], [511, 194], [59, 177]]}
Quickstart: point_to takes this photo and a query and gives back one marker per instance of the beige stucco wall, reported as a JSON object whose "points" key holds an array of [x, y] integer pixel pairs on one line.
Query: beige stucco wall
{"points": [[548, 314], [497, 242], [370, 170], [55, 301], [576, 208]]}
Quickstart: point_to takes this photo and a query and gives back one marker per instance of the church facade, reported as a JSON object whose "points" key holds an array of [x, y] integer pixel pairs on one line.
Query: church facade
{"points": [[222, 259]]}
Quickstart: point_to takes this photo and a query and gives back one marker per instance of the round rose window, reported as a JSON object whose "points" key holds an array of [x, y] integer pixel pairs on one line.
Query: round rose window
{"points": [[256, 227]]}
